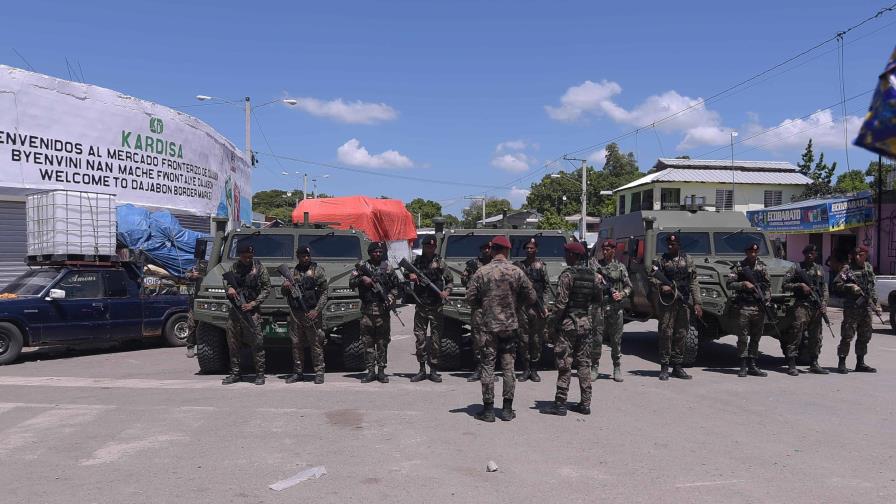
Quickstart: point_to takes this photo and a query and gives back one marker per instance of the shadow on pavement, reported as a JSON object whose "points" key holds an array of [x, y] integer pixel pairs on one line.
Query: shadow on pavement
{"points": [[470, 410]]}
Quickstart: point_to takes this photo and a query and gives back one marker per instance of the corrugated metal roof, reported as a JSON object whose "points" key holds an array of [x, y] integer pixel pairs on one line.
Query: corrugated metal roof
{"points": [[725, 163], [721, 176], [819, 201]]}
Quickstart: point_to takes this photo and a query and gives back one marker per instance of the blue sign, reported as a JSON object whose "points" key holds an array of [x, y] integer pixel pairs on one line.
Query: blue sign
{"points": [[815, 216]]}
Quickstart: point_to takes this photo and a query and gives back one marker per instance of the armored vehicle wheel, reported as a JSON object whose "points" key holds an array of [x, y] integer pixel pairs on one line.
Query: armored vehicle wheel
{"points": [[176, 330], [211, 349], [691, 346], [10, 343], [352, 348], [450, 346]]}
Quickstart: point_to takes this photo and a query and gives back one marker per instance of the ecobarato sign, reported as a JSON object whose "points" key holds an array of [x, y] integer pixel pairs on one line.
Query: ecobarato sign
{"points": [[58, 134]]}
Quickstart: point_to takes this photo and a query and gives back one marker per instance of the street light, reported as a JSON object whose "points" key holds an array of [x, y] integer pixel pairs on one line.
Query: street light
{"points": [[314, 183], [733, 134], [584, 186], [249, 108]]}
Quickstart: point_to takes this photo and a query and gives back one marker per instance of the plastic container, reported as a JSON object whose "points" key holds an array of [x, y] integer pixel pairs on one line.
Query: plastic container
{"points": [[70, 223]]}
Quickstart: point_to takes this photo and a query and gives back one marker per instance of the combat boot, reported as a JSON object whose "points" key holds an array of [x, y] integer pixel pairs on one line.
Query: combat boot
{"points": [[525, 375], [557, 408], [507, 413], [861, 367], [841, 366], [617, 373], [533, 373], [487, 414], [318, 378], [743, 368], [191, 351], [816, 369], [594, 373], [231, 378], [434, 375], [791, 367], [369, 377], [476, 376], [259, 379], [421, 375], [381, 376], [678, 372], [664, 372], [752, 370], [297, 377], [582, 409]]}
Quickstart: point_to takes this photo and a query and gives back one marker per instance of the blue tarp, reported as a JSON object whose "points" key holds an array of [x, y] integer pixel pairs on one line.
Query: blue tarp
{"points": [[815, 216], [159, 235]]}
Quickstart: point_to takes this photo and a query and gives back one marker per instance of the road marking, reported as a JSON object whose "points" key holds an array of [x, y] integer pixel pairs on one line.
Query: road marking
{"points": [[200, 383], [708, 483], [55, 422], [886, 348], [114, 452]]}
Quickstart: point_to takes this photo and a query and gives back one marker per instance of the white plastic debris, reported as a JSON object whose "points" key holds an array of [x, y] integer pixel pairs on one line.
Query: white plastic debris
{"points": [[491, 466], [307, 474]]}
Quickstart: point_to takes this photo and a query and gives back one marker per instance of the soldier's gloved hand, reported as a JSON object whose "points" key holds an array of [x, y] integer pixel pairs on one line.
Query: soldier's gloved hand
{"points": [[855, 289], [367, 281], [617, 296], [413, 277], [312, 314], [246, 307], [444, 294], [666, 289], [287, 284], [698, 311], [748, 285], [231, 292], [806, 289]]}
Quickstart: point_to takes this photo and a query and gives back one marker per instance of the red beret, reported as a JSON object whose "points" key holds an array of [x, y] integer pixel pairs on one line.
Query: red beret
{"points": [[860, 249], [608, 243], [575, 248], [501, 241]]}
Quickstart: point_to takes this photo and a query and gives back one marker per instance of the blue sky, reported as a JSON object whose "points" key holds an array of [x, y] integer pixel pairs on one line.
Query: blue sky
{"points": [[465, 94]]}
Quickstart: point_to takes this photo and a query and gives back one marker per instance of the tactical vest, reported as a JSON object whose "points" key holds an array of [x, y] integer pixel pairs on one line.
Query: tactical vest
{"points": [[248, 276], [381, 277], [749, 296], [678, 274], [536, 276], [308, 286], [435, 275], [582, 290], [862, 280]]}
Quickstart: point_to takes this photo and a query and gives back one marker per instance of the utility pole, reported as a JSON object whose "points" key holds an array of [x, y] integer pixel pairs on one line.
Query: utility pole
{"points": [[733, 134], [305, 186], [482, 198], [880, 194], [248, 133], [584, 214]]}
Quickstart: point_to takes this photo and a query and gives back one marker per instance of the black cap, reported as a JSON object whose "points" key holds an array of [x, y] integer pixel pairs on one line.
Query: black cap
{"points": [[303, 249], [672, 238], [485, 245], [374, 246], [752, 246], [810, 248], [428, 240], [244, 247], [533, 241]]}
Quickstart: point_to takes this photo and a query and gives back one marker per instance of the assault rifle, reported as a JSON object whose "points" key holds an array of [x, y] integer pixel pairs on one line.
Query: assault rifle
{"points": [[423, 279], [814, 298], [862, 300], [377, 289], [295, 292], [664, 280], [749, 275], [233, 281]]}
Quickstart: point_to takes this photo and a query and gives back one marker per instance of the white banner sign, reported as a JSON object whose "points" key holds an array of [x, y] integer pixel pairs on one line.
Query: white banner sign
{"points": [[58, 134]]}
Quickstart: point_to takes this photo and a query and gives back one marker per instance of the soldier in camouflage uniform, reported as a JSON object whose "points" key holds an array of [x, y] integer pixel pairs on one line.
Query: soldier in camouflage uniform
{"points": [[195, 279], [607, 315], [498, 289], [471, 267], [673, 303], [855, 283], [375, 317], [807, 311], [577, 292], [428, 312], [748, 308], [532, 318], [306, 327], [255, 285]]}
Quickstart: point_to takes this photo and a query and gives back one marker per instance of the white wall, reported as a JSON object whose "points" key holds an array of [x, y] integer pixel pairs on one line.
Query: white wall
{"points": [[746, 196]]}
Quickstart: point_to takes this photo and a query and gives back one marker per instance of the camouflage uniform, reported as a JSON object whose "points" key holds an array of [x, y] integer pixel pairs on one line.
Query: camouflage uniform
{"points": [[312, 282], [856, 309], [429, 313], [607, 315], [471, 267], [577, 292], [532, 323], [191, 321], [497, 290], [674, 319], [748, 309], [805, 317], [256, 286], [375, 318]]}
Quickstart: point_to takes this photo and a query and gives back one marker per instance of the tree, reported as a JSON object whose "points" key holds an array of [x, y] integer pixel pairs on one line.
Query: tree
{"points": [[851, 181], [423, 211], [553, 220], [886, 169], [493, 206], [451, 221], [276, 203], [821, 174], [808, 157]]}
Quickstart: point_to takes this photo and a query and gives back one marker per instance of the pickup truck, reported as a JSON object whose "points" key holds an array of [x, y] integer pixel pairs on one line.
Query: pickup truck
{"points": [[885, 286], [72, 304]]}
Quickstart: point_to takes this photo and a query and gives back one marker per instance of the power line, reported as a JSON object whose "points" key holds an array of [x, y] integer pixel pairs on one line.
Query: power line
{"points": [[23, 59]]}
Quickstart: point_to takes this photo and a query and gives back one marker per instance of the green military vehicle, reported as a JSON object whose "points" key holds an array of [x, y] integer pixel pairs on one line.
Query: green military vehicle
{"points": [[715, 241], [336, 250], [456, 247]]}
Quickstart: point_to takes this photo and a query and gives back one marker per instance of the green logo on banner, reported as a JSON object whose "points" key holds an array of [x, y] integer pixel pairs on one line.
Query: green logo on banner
{"points": [[155, 125]]}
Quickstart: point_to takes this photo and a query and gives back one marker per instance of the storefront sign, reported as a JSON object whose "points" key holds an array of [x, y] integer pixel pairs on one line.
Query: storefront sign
{"points": [[816, 216]]}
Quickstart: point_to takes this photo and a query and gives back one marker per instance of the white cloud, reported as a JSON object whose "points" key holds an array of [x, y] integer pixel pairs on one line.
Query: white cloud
{"points": [[512, 162], [356, 112], [354, 154], [821, 127], [511, 145], [598, 158], [586, 97], [517, 196]]}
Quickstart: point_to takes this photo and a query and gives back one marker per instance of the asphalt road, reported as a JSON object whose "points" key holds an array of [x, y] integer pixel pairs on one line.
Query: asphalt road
{"points": [[140, 425]]}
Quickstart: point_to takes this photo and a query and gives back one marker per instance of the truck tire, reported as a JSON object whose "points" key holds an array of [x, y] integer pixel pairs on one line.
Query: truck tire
{"points": [[10, 343], [450, 346], [176, 330], [353, 348], [211, 349], [691, 347]]}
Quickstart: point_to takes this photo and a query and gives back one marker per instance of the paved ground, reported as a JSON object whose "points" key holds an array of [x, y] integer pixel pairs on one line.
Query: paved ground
{"points": [[140, 426]]}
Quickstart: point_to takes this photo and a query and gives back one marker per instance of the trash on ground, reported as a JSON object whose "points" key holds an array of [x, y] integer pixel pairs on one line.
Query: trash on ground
{"points": [[312, 473], [492, 466]]}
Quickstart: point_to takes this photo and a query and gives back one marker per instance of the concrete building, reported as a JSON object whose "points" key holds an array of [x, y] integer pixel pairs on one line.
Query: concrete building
{"points": [[680, 184], [522, 219]]}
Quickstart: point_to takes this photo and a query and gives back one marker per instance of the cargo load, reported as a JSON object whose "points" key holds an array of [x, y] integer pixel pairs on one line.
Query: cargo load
{"points": [[66, 224]]}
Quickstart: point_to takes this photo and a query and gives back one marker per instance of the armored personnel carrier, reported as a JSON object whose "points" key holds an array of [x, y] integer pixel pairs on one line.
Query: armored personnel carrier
{"points": [[715, 241], [336, 250]]}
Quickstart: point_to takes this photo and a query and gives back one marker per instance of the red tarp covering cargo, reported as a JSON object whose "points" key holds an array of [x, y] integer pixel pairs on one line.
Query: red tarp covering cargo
{"points": [[379, 219]]}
